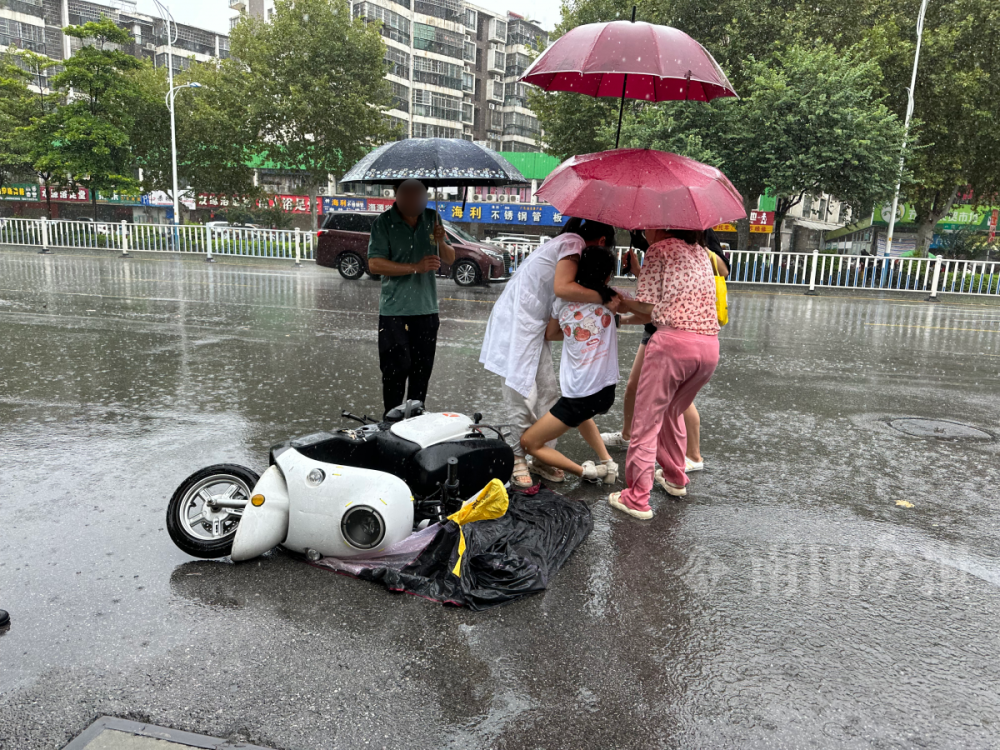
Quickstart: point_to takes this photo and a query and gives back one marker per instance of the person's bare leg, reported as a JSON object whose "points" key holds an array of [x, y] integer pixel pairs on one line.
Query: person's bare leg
{"points": [[541, 432], [630, 391], [592, 435], [692, 422]]}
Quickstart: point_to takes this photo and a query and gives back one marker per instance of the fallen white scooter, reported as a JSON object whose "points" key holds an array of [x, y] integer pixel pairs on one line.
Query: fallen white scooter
{"points": [[340, 494]]}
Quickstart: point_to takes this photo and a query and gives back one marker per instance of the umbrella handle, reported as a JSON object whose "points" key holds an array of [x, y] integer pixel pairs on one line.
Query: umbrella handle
{"points": [[621, 106]]}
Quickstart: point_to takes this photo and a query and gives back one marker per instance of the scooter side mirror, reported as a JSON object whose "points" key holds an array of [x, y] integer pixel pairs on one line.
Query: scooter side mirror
{"points": [[477, 417]]}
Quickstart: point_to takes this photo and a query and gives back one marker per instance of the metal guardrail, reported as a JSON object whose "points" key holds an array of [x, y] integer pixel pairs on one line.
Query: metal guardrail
{"points": [[810, 271], [124, 237]]}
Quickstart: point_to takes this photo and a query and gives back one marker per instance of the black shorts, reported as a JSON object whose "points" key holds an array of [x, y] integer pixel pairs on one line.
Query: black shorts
{"points": [[573, 412], [648, 330]]}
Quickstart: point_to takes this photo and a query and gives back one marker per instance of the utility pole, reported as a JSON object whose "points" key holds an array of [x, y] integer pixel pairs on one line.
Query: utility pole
{"points": [[906, 124]]}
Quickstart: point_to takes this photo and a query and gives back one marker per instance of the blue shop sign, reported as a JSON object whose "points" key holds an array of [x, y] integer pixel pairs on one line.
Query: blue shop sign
{"points": [[334, 203], [518, 214], [502, 213]]}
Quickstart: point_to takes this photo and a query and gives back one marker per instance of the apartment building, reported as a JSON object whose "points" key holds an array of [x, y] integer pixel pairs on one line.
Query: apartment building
{"points": [[453, 68], [37, 25]]}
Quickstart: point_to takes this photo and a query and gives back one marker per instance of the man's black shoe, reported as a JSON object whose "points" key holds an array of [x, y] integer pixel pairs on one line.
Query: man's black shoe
{"points": [[4, 618]]}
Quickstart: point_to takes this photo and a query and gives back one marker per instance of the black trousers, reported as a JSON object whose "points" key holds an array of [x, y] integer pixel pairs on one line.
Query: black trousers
{"points": [[406, 347]]}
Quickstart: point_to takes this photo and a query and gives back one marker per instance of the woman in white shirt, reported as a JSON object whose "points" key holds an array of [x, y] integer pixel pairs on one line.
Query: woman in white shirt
{"points": [[515, 347]]}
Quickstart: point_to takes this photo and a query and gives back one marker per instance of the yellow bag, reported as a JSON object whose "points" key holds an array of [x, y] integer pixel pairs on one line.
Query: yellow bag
{"points": [[721, 305], [490, 503]]}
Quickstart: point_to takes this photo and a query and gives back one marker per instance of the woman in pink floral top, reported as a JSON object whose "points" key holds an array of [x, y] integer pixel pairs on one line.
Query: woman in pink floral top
{"points": [[677, 288]]}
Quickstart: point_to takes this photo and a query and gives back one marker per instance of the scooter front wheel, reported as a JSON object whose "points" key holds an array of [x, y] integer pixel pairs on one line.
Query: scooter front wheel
{"points": [[205, 511]]}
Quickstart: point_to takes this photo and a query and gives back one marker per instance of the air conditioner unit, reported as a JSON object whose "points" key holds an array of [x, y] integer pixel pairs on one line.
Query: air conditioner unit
{"points": [[387, 193], [150, 45], [491, 199], [477, 198], [513, 198], [501, 199]]}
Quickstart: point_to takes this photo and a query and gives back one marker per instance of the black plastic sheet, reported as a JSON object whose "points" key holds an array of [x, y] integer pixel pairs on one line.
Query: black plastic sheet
{"points": [[505, 559]]}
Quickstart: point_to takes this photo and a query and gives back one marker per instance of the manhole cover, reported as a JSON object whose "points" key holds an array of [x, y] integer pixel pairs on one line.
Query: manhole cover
{"points": [[938, 428]]}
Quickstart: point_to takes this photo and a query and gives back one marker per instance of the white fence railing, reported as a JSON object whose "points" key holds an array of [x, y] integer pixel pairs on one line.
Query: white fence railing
{"points": [[809, 271], [290, 244]]}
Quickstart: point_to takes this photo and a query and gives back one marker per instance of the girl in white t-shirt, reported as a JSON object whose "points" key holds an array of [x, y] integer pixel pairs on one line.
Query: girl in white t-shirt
{"points": [[588, 372]]}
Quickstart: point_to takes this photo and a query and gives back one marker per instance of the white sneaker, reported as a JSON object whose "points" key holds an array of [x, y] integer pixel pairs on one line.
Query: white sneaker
{"points": [[592, 472], [670, 489], [612, 468], [690, 465], [614, 440]]}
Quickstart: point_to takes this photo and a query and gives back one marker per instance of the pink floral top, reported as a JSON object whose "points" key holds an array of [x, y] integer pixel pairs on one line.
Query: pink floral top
{"points": [[677, 279]]}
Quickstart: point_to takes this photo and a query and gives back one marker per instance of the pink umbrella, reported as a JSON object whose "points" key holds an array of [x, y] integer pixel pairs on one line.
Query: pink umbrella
{"points": [[629, 60], [638, 188]]}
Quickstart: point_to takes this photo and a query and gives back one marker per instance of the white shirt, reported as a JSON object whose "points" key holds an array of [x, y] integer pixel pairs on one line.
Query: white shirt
{"points": [[590, 350], [515, 332]]}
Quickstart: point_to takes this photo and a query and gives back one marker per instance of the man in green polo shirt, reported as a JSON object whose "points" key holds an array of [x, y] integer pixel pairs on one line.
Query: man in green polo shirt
{"points": [[406, 248]]}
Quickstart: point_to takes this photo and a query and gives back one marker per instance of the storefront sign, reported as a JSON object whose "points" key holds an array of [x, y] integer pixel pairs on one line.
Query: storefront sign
{"points": [[471, 213], [80, 195], [27, 191], [295, 204], [961, 217], [761, 222]]}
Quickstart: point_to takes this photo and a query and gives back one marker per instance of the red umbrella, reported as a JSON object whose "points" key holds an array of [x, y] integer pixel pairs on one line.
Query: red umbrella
{"points": [[638, 188], [633, 60]]}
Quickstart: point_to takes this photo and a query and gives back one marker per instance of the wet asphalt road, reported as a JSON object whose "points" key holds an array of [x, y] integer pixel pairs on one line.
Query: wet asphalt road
{"points": [[787, 603]]}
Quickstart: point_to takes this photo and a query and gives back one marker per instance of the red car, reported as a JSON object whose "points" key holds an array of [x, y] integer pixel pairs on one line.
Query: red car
{"points": [[343, 244]]}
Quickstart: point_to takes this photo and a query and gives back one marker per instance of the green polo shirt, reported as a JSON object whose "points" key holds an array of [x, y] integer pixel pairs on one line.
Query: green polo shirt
{"points": [[393, 239]]}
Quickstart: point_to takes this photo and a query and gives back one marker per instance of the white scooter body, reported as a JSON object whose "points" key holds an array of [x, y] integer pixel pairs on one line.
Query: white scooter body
{"points": [[309, 516]]}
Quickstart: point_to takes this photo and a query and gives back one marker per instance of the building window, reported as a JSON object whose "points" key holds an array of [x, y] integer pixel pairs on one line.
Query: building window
{"points": [[437, 73], [496, 90], [498, 30], [515, 95], [394, 26], [398, 62], [519, 32], [517, 64], [468, 82], [439, 106], [423, 130], [449, 10], [22, 35], [469, 53], [400, 96], [517, 123], [440, 41], [470, 18]]}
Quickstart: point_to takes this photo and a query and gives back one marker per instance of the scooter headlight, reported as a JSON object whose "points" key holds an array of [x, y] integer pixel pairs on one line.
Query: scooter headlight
{"points": [[315, 477], [363, 527]]}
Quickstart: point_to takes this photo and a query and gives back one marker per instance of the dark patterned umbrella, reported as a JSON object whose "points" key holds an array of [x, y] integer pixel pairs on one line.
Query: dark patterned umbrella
{"points": [[437, 162]]}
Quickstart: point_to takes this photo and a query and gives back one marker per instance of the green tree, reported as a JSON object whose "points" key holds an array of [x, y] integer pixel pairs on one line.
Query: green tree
{"points": [[954, 142], [15, 98], [314, 82], [215, 139], [86, 140]]}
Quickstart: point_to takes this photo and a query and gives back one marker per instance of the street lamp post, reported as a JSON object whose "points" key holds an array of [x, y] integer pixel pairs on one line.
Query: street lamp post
{"points": [[171, 96], [906, 124], [168, 19]]}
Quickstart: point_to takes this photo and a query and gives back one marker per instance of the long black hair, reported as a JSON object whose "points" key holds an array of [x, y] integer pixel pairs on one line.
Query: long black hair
{"points": [[591, 231], [596, 265]]}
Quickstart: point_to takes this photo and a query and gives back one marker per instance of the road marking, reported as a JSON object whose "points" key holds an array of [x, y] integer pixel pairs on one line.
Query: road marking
{"points": [[935, 328]]}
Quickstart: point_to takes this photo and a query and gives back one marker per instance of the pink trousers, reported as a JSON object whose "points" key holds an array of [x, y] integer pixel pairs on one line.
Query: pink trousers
{"points": [[676, 366]]}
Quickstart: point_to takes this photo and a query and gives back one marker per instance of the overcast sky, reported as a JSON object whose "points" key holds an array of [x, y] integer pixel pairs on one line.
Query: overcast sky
{"points": [[215, 14]]}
